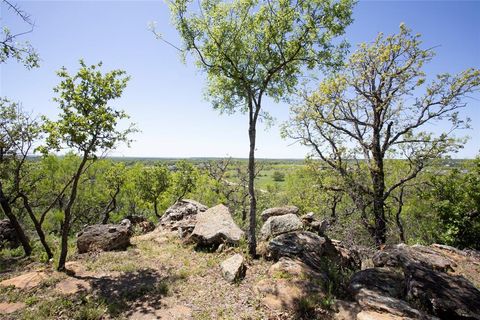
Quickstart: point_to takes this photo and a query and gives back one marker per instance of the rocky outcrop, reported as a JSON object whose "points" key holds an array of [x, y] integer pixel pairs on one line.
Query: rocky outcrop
{"points": [[182, 216], [278, 211], [8, 237], [418, 282], [216, 226], [401, 255], [290, 282], [277, 225], [310, 223], [303, 245], [444, 295], [234, 268], [103, 237]]}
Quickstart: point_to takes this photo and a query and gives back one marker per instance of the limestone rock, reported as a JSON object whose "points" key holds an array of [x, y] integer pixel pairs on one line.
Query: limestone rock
{"points": [[387, 281], [234, 268], [444, 295], [290, 281], [72, 286], [181, 209], [11, 307], [182, 217], [216, 226], [278, 211], [276, 225], [384, 304], [401, 255], [26, 281], [303, 245], [103, 237]]}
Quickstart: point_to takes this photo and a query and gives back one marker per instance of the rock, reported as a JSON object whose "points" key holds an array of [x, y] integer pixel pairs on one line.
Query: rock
{"points": [[278, 211], [11, 307], [234, 268], [182, 217], [370, 300], [103, 237], [72, 286], [345, 310], [276, 225], [140, 224], [181, 209], [27, 280], [303, 245], [386, 281], [373, 315], [401, 255], [290, 281], [310, 223], [216, 226], [347, 257], [444, 295], [7, 235]]}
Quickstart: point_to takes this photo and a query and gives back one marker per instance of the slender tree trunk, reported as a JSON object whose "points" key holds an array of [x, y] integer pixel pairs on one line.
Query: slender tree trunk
{"points": [[252, 241], [68, 216], [401, 231], [7, 209], [378, 181], [38, 226], [155, 208]]}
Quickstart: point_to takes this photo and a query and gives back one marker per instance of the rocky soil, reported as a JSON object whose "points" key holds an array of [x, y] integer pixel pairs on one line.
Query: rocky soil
{"points": [[194, 266]]}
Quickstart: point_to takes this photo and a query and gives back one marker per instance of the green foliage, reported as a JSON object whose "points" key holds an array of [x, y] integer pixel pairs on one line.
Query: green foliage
{"points": [[278, 176], [361, 116], [456, 198], [87, 123], [251, 48], [11, 47]]}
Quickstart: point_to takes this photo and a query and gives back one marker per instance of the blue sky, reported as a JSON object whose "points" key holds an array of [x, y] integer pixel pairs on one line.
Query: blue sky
{"points": [[165, 97]]}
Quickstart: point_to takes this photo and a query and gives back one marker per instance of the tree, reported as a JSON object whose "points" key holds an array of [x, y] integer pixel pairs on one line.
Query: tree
{"points": [[184, 179], [251, 50], [456, 198], [278, 176], [16, 135], [86, 124], [153, 182], [10, 47], [364, 114]]}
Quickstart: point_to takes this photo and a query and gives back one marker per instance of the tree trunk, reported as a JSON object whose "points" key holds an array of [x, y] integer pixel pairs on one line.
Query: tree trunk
{"points": [[401, 231], [252, 241], [7, 209], [68, 215], [38, 226], [378, 180], [155, 208]]}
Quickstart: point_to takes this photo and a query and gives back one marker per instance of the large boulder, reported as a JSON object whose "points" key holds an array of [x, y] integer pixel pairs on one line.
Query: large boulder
{"points": [[290, 282], [278, 211], [103, 237], [277, 225], [234, 268], [303, 245], [401, 255], [446, 296], [182, 216], [386, 281], [216, 226], [8, 237]]}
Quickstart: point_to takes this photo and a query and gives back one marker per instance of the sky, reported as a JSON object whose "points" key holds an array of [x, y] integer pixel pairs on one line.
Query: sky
{"points": [[165, 97]]}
